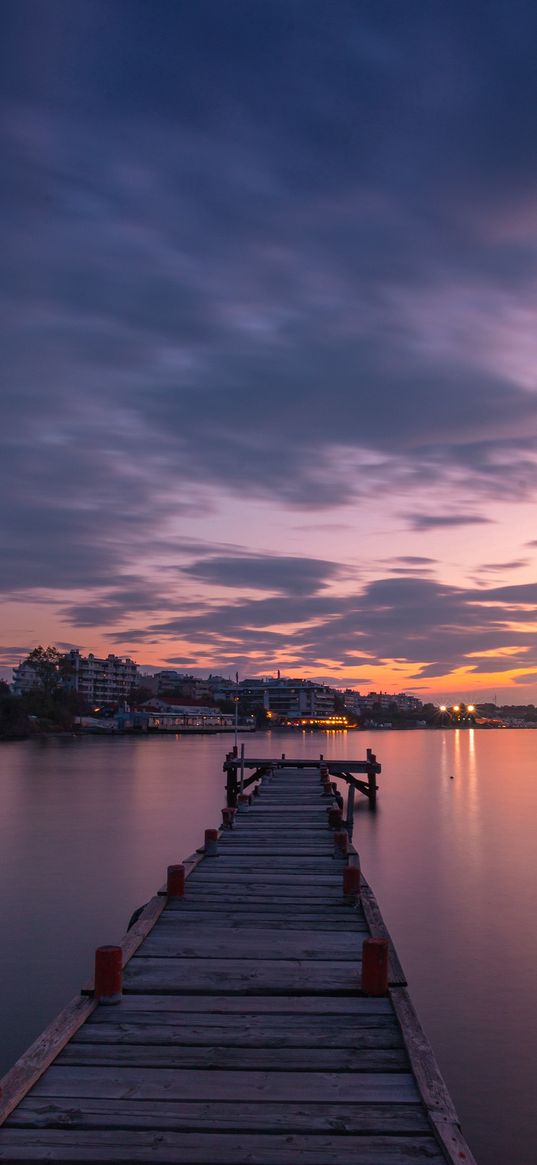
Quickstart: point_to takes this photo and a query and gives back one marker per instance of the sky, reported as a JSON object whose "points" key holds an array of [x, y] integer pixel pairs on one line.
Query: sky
{"points": [[269, 292]]}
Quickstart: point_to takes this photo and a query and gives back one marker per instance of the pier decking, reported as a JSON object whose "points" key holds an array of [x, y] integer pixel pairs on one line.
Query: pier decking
{"points": [[242, 1035]]}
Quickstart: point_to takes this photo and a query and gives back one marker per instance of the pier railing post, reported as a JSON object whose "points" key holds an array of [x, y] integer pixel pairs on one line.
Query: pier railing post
{"points": [[108, 974], [231, 784], [372, 780], [350, 809]]}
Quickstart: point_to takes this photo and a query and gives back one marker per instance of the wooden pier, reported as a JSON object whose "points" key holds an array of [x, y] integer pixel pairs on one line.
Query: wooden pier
{"points": [[244, 1034]]}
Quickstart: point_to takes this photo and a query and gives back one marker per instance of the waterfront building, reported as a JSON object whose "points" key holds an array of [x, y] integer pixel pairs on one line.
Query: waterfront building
{"points": [[359, 704], [177, 683], [287, 698], [352, 701], [98, 681], [25, 679], [102, 681]]}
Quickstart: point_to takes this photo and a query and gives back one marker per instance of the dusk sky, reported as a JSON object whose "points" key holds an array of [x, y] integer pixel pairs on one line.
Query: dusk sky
{"points": [[269, 290]]}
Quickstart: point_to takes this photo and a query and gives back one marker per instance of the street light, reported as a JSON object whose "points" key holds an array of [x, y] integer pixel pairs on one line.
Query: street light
{"points": [[236, 712]]}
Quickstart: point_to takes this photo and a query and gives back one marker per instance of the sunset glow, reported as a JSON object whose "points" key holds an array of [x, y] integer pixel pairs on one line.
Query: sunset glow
{"points": [[271, 360]]}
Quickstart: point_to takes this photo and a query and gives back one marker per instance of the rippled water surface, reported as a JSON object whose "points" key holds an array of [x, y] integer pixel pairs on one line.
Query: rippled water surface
{"points": [[87, 828]]}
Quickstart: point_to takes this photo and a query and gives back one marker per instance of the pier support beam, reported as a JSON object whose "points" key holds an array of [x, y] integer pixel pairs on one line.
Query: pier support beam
{"points": [[372, 779], [350, 810]]}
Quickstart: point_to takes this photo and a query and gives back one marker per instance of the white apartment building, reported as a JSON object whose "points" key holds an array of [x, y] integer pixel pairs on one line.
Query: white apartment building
{"points": [[99, 681], [289, 698], [24, 679], [102, 681], [385, 700]]}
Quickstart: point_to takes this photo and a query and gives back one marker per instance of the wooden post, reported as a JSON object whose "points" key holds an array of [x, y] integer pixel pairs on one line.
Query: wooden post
{"points": [[372, 780], [175, 886], [211, 842], [351, 882], [375, 966], [341, 842], [108, 974], [242, 766], [350, 810], [231, 787]]}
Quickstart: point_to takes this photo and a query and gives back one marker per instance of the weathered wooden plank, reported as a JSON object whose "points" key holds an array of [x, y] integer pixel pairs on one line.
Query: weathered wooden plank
{"points": [[246, 1027], [285, 810], [235, 849], [134, 938], [191, 1084], [270, 920], [241, 924], [275, 795], [226, 864], [225, 1058], [205, 1116], [237, 869], [311, 841], [41, 1053], [283, 769], [378, 929], [295, 829], [337, 907], [280, 976], [428, 1076], [251, 890], [297, 882], [214, 1148], [450, 1137], [254, 943], [339, 1006], [250, 1032]]}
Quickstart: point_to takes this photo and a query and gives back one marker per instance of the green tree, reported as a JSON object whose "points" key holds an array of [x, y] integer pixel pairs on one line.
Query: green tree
{"points": [[51, 668]]}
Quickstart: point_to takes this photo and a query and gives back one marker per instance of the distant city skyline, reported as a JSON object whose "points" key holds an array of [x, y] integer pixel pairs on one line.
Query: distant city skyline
{"points": [[270, 363]]}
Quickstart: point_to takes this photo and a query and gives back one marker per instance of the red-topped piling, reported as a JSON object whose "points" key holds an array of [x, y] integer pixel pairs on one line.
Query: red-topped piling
{"points": [[175, 886], [108, 974], [211, 842], [375, 966], [341, 842], [351, 882]]}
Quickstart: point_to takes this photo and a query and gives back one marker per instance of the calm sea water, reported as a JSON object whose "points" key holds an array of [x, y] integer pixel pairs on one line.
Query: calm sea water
{"points": [[87, 828]]}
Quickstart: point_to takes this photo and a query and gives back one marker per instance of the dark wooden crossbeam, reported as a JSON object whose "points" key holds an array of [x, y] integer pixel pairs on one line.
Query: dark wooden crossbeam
{"points": [[236, 767], [337, 768]]}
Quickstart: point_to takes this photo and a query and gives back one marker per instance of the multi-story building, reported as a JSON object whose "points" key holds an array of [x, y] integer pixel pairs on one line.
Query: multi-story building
{"points": [[288, 698], [169, 680], [98, 681], [386, 700], [353, 700], [102, 681], [221, 688], [25, 679]]}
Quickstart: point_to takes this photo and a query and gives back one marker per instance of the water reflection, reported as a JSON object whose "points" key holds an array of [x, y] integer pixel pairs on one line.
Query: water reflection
{"points": [[88, 827]]}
